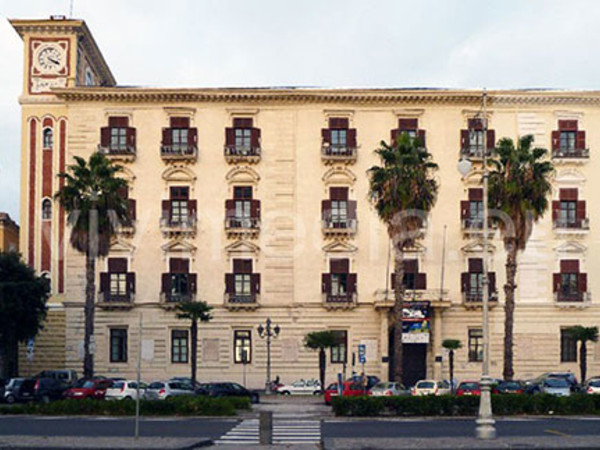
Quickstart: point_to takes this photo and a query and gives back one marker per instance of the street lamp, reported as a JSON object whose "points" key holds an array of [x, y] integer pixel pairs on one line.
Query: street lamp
{"points": [[485, 421], [267, 332]]}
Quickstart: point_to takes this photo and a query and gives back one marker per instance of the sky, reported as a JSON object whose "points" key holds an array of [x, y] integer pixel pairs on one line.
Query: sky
{"points": [[325, 43]]}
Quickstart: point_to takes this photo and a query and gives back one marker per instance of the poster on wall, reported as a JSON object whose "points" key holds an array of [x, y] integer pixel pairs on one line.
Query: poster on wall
{"points": [[415, 323]]}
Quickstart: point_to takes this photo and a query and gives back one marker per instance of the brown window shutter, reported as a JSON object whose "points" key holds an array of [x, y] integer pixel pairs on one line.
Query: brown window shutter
{"points": [[180, 122], [338, 123], [351, 137], [104, 282], [118, 122], [582, 282], [229, 283], [131, 137], [569, 266], [229, 208], [492, 282], [567, 125], [326, 135], [255, 209], [491, 139], [555, 140], [326, 283], [131, 282], [475, 265], [123, 192], [165, 283], [411, 265], [464, 282], [421, 137], [408, 124], [393, 281], [580, 140], [464, 209], [131, 209], [242, 266], [421, 281], [464, 139], [104, 136], [555, 209], [581, 210], [325, 209], [556, 282], [229, 137], [352, 279], [338, 265], [117, 265], [166, 208], [568, 194], [255, 283], [394, 135], [255, 137], [352, 209], [475, 124], [192, 280], [166, 136], [192, 207], [338, 193], [476, 195], [179, 265], [243, 122], [193, 137]]}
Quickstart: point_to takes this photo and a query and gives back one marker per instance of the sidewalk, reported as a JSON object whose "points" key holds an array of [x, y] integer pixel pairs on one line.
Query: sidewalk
{"points": [[100, 443]]}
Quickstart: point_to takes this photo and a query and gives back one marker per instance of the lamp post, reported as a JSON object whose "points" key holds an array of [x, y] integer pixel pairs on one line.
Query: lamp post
{"points": [[267, 332], [485, 421]]}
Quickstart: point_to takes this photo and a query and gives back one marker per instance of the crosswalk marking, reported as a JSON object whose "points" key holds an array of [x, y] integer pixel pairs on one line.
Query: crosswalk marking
{"points": [[284, 432]]}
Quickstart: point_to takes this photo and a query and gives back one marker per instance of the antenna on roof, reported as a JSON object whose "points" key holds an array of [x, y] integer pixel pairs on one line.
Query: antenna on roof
{"points": [[71, 10]]}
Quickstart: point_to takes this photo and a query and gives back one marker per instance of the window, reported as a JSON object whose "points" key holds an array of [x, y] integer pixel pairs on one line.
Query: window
{"points": [[568, 347], [243, 138], [89, 77], [179, 346], [475, 214], [118, 138], [476, 141], [338, 141], [242, 196], [567, 141], [179, 205], [339, 212], [118, 345], [118, 284], [568, 213], [242, 346], [242, 283], [46, 209], [339, 352], [48, 139], [179, 139], [569, 285], [476, 284], [475, 345], [339, 284]]}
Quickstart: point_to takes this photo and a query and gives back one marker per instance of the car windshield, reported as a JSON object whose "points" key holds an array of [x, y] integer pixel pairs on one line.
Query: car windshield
{"points": [[425, 385], [594, 383], [156, 386], [332, 386], [383, 385], [471, 386], [556, 383], [118, 385], [88, 385], [509, 385]]}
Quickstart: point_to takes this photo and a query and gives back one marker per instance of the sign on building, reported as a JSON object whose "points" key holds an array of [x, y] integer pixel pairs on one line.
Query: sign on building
{"points": [[415, 323]]}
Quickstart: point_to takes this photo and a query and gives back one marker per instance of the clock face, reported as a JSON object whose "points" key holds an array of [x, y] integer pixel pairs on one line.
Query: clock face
{"points": [[50, 59]]}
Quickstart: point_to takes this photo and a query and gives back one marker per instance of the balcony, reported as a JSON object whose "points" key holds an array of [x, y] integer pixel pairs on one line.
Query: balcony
{"points": [[341, 228], [173, 226], [170, 300], [437, 298], [572, 299], [236, 227], [340, 301], [238, 302], [107, 300], [234, 154], [179, 153], [474, 227], [474, 152], [125, 153], [571, 227], [331, 154], [577, 156], [475, 299]]}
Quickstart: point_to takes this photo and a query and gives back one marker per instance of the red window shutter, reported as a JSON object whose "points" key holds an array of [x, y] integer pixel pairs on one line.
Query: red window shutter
{"points": [[180, 122], [255, 209], [117, 265], [131, 282], [464, 209], [192, 207], [464, 139], [351, 137], [582, 282], [568, 194], [242, 266], [326, 283], [104, 136], [339, 265], [569, 266], [104, 282], [123, 192], [475, 265], [229, 137], [338, 193], [556, 282], [242, 122], [421, 137], [229, 283], [229, 208], [193, 137], [166, 208], [166, 136], [464, 282], [352, 209], [581, 210], [580, 140], [476, 195], [491, 139], [352, 279], [326, 209], [131, 137], [192, 280], [131, 209], [179, 265], [393, 281], [394, 135], [326, 135], [165, 283], [492, 282], [567, 125], [118, 122], [475, 124], [255, 283], [338, 123], [421, 281], [555, 140], [255, 137], [408, 124], [555, 209], [411, 265]]}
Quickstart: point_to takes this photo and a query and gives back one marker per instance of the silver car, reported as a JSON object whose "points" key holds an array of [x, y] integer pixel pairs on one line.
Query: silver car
{"points": [[160, 390], [388, 388], [556, 386]]}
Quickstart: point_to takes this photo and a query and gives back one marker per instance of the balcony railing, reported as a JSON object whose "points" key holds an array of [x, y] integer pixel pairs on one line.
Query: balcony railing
{"points": [[335, 300], [235, 154], [475, 226], [476, 298], [474, 152], [241, 301], [174, 298], [339, 227], [338, 153], [235, 226], [121, 152], [108, 300], [178, 224], [178, 152], [575, 153], [568, 224], [572, 297]]}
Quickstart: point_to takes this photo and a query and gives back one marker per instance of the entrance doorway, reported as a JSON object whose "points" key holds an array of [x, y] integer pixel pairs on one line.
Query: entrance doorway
{"points": [[414, 361]]}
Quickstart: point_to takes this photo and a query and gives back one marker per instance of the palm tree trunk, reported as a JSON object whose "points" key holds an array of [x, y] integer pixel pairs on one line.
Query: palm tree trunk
{"points": [[322, 367], [397, 314], [88, 311], [509, 310], [451, 360], [583, 360], [194, 350]]}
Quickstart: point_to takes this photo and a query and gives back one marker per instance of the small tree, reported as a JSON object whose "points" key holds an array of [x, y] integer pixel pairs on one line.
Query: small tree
{"points": [[584, 335], [320, 340], [23, 297], [451, 345], [194, 311]]}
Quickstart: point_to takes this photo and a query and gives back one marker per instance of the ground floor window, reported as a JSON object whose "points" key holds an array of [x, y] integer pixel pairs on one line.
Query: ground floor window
{"points": [[242, 346], [339, 352], [118, 345], [179, 346], [568, 347], [475, 345]]}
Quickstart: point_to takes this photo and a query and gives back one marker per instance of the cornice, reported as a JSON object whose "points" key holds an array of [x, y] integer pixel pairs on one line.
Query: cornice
{"points": [[332, 96]]}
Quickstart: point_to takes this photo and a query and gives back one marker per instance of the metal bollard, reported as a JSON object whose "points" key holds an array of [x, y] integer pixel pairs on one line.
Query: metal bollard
{"points": [[265, 427]]}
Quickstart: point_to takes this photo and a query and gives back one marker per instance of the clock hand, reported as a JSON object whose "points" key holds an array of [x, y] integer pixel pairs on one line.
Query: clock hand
{"points": [[53, 60]]}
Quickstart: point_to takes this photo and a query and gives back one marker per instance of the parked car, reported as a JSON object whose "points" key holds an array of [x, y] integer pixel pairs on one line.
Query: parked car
{"points": [[556, 386], [301, 387], [68, 377], [431, 387], [388, 388], [125, 390], [161, 390], [229, 390], [351, 389], [186, 380], [468, 388], [536, 385], [19, 390], [95, 389], [592, 386], [509, 387], [372, 380], [47, 389]]}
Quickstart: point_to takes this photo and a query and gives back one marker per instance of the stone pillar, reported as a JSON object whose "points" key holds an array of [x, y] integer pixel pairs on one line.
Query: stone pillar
{"points": [[384, 343], [436, 344]]}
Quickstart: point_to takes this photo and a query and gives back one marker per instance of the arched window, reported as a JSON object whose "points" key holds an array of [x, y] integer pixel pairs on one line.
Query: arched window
{"points": [[48, 139], [47, 278], [46, 209]]}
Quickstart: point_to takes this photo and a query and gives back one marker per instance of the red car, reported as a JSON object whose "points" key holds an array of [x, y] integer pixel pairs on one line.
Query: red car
{"points": [[468, 388], [351, 389], [95, 389]]}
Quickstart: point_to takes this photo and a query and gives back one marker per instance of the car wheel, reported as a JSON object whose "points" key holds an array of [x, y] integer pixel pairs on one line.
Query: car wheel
{"points": [[317, 393], [45, 399], [254, 398], [128, 398], [10, 399], [286, 393]]}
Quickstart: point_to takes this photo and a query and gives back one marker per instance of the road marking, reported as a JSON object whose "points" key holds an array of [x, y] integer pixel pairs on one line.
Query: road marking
{"points": [[284, 432], [557, 433]]}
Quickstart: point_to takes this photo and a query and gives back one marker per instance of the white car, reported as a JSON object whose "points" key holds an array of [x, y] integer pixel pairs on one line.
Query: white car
{"points": [[431, 387], [388, 388], [593, 386], [160, 390], [301, 387], [125, 390]]}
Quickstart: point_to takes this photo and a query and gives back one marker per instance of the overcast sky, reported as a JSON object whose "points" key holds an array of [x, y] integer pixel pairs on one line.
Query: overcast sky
{"points": [[333, 43]]}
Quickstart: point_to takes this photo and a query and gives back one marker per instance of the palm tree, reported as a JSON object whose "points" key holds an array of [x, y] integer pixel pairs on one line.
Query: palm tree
{"points": [[403, 192], [519, 187], [321, 340], [194, 311], [451, 345], [91, 197], [584, 335]]}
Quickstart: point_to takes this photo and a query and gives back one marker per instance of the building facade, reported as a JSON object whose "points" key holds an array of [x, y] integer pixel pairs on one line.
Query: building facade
{"points": [[9, 234], [256, 201]]}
